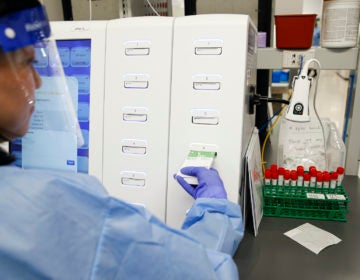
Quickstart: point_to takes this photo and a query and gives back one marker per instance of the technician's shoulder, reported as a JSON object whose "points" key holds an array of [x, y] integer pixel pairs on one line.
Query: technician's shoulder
{"points": [[15, 177]]}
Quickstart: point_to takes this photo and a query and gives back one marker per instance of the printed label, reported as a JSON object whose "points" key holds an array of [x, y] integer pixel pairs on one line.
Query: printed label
{"points": [[335, 196], [315, 195]]}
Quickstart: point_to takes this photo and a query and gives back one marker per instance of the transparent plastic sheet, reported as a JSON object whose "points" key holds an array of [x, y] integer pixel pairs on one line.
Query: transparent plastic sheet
{"points": [[54, 133], [57, 97], [335, 147], [303, 144]]}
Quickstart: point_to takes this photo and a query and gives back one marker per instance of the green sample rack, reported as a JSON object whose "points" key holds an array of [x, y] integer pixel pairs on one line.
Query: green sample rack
{"points": [[305, 202]]}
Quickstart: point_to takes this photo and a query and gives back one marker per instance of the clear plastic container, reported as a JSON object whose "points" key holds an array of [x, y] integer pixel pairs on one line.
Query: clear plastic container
{"points": [[335, 147], [303, 144], [340, 23]]}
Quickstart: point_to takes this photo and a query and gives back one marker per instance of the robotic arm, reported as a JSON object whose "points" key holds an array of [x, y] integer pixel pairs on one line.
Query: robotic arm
{"points": [[298, 109]]}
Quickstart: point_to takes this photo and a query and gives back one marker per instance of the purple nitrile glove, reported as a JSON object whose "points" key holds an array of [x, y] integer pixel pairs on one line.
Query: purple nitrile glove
{"points": [[210, 184]]}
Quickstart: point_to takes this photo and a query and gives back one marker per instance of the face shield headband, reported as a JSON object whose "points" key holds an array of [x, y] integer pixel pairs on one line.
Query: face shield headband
{"points": [[23, 28]]}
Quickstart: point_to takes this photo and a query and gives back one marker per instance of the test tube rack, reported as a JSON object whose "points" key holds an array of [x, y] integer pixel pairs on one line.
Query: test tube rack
{"points": [[305, 202]]}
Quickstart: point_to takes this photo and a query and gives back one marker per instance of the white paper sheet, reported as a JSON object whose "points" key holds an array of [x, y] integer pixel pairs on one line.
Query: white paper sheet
{"points": [[312, 237]]}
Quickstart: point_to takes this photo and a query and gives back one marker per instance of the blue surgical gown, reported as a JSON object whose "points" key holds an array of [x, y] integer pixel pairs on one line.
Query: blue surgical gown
{"points": [[57, 225]]}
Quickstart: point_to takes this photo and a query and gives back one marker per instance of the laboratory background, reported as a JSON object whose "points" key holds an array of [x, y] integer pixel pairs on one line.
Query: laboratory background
{"points": [[333, 82], [264, 91]]}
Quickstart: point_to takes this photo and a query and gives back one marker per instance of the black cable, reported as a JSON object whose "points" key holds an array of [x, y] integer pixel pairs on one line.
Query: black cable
{"points": [[260, 99], [275, 100]]}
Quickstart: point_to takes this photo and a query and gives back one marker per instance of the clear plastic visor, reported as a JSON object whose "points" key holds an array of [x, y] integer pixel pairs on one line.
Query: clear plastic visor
{"points": [[40, 77], [56, 98]]}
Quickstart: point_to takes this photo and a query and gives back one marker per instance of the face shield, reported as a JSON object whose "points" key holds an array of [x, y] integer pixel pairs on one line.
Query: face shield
{"points": [[32, 54]]}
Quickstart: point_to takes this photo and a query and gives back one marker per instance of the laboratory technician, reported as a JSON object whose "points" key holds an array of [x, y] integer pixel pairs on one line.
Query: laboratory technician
{"points": [[58, 225]]}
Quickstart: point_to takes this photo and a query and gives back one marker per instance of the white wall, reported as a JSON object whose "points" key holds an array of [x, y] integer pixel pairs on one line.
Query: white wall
{"points": [[54, 9], [109, 9], [313, 7], [283, 7], [100, 9], [177, 7], [249, 7]]}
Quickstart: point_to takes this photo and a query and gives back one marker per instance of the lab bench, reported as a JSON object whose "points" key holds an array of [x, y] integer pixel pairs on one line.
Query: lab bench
{"points": [[272, 255]]}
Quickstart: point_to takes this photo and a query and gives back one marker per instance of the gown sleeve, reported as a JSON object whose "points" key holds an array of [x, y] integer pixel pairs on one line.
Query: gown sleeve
{"points": [[65, 226]]}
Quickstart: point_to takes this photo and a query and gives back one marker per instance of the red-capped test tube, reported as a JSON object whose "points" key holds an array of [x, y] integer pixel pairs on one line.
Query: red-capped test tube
{"points": [[286, 178], [333, 179], [267, 180], [313, 174], [274, 168], [326, 180], [340, 170], [306, 180], [281, 171], [274, 178], [312, 167], [294, 178], [319, 179], [300, 173]]}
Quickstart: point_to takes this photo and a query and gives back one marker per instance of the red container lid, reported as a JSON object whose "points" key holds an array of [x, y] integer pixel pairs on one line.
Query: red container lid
{"points": [[274, 175], [306, 177], [294, 31]]}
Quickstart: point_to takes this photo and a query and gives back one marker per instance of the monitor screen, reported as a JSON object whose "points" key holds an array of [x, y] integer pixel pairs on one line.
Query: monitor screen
{"points": [[40, 148]]}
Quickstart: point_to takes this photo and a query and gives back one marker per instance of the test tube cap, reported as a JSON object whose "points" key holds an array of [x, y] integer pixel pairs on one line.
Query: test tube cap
{"points": [[326, 177], [319, 176], [287, 175], [267, 173], [340, 170], [300, 170], [273, 167], [281, 170], [306, 177], [334, 175], [293, 175]]}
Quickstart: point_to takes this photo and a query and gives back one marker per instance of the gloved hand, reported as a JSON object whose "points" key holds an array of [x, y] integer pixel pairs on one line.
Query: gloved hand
{"points": [[210, 184]]}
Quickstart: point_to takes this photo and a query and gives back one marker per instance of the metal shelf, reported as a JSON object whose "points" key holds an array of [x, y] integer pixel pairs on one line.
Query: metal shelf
{"points": [[330, 59]]}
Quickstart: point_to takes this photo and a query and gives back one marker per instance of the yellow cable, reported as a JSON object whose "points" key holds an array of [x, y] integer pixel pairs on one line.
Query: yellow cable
{"points": [[263, 162]]}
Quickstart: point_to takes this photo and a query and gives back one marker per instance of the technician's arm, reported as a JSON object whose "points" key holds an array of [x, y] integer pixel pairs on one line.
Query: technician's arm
{"points": [[56, 225], [213, 220]]}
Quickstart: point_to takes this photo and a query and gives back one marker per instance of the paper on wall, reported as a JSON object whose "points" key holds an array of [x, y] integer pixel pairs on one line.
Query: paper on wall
{"points": [[255, 179]]}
